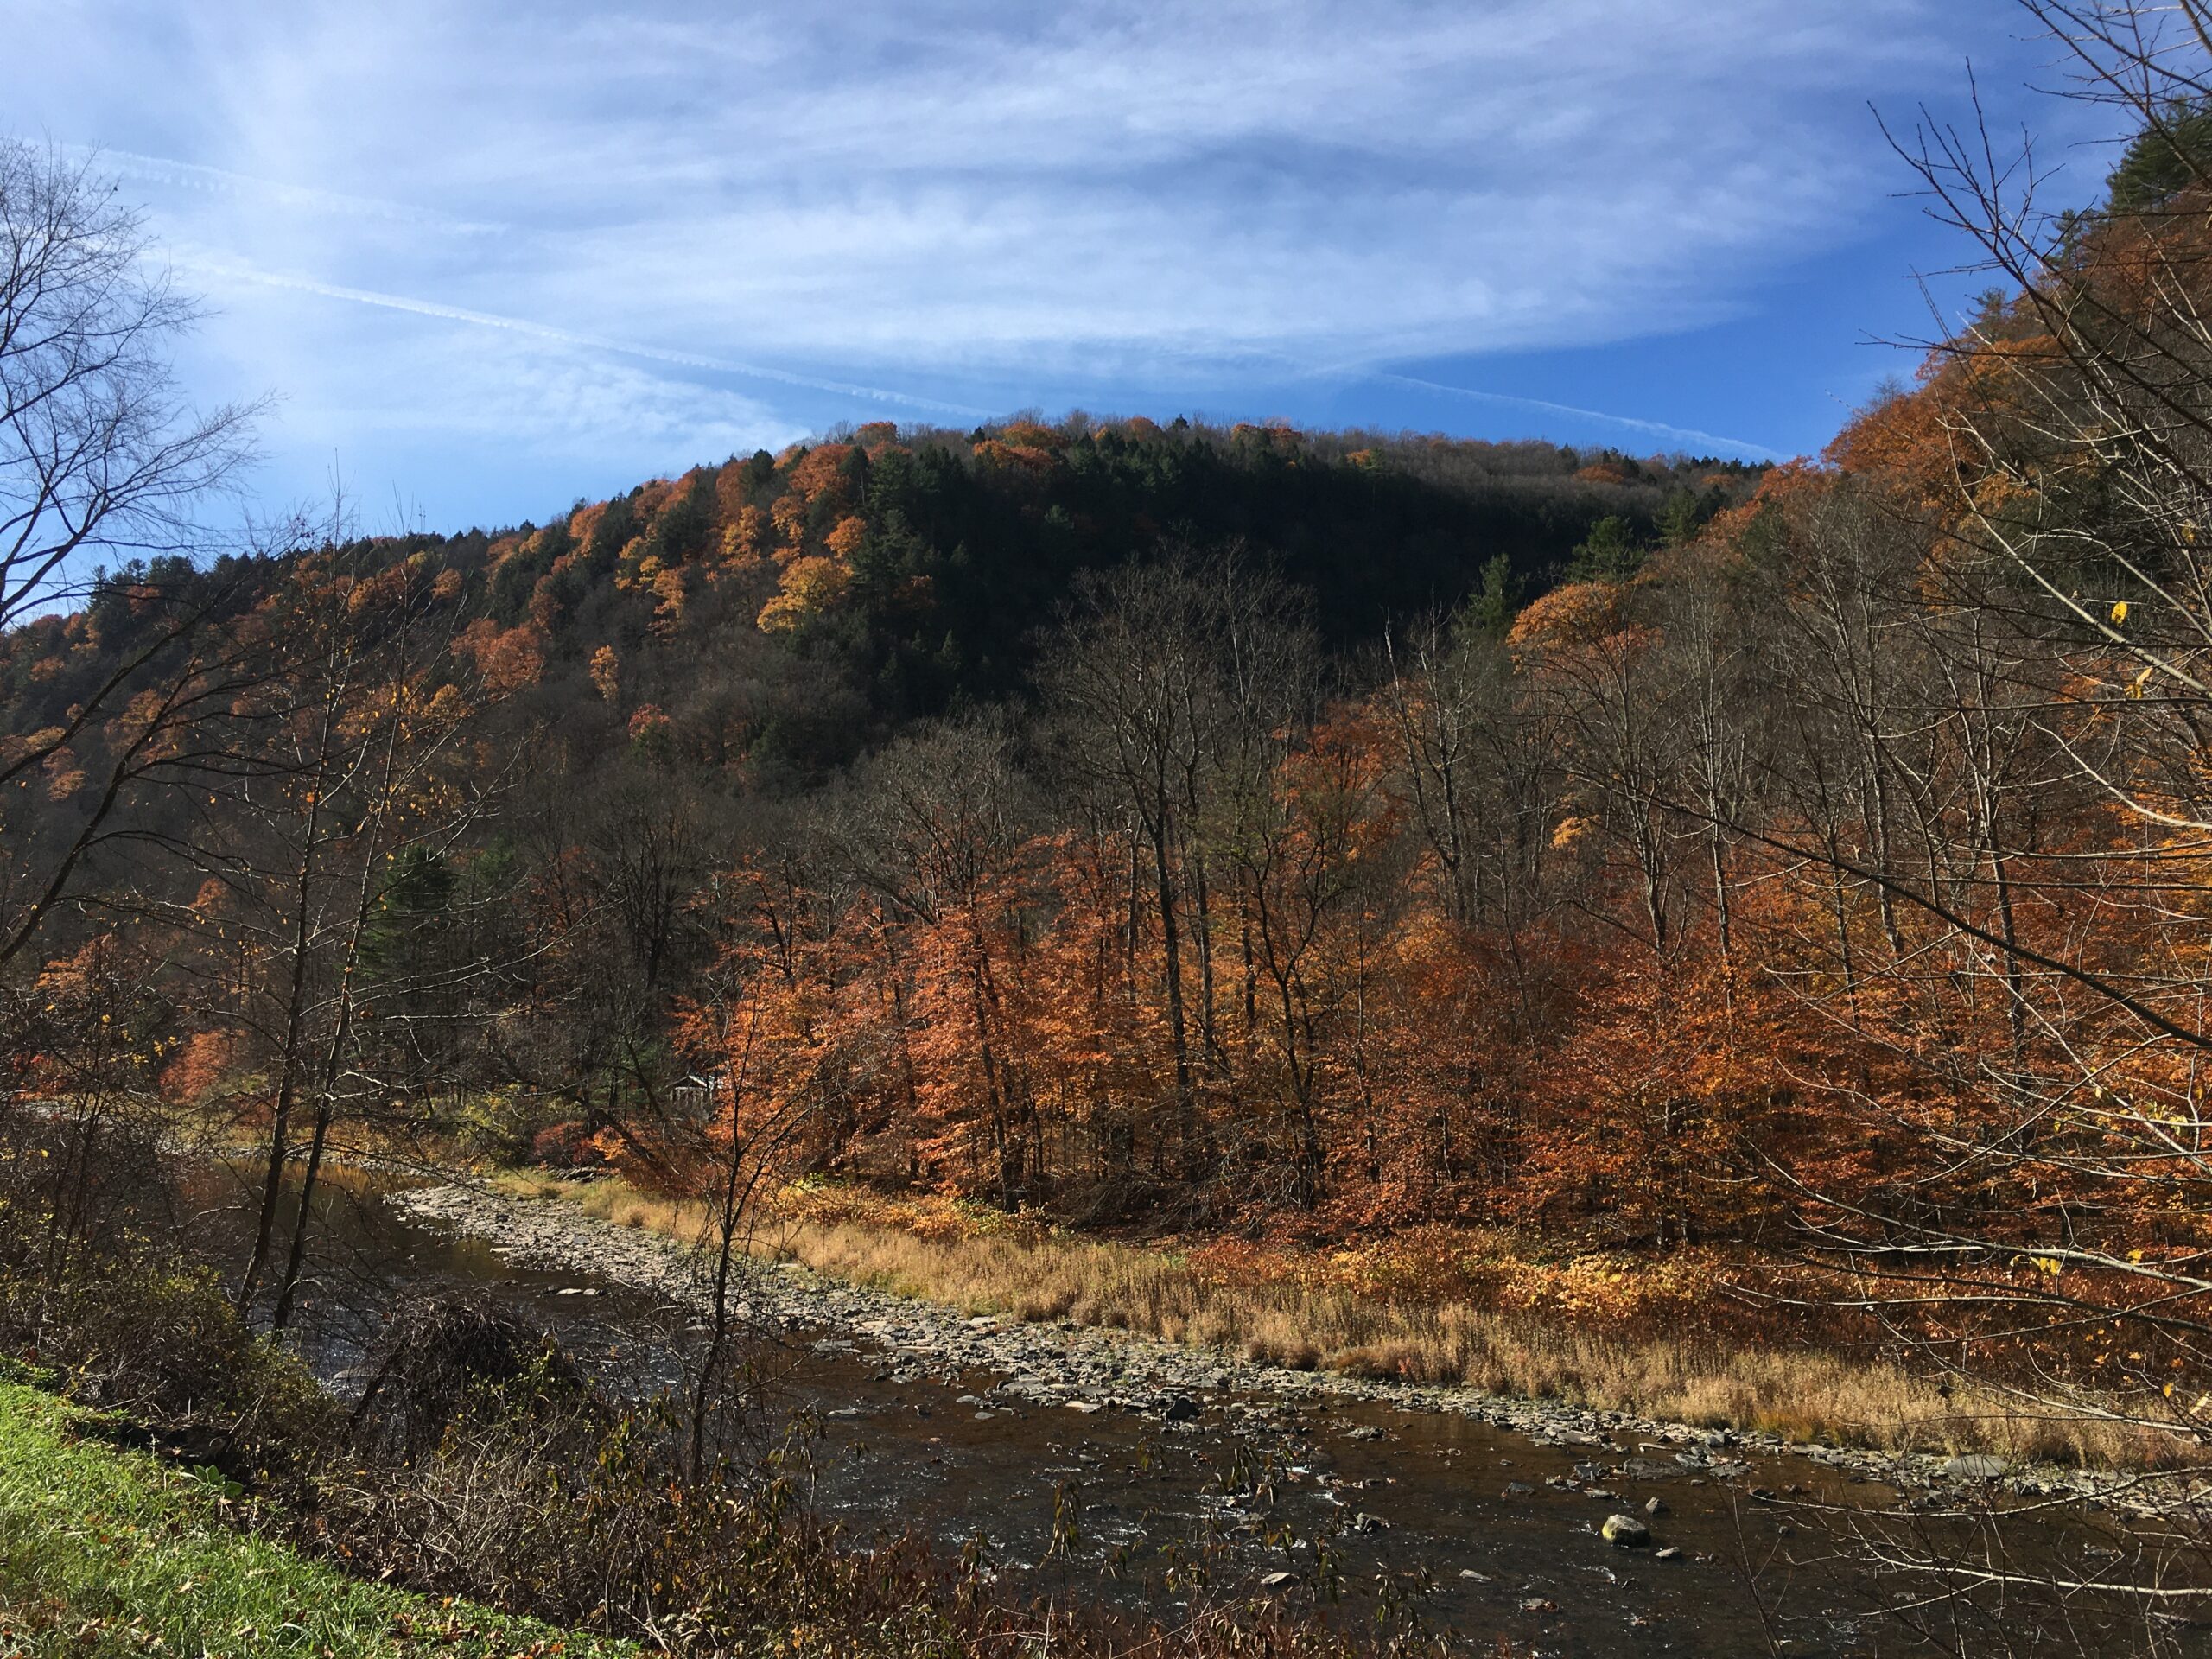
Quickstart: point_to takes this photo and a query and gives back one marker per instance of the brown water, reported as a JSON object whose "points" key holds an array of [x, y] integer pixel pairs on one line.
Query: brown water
{"points": [[1373, 1511]]}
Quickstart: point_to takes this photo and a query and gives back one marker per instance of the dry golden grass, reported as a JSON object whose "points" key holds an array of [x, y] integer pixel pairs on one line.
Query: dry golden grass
{"points": [[1032, 1274]]}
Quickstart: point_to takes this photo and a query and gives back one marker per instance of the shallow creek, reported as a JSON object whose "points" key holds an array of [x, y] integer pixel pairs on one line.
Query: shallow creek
{"points": [[1298, 1488]]}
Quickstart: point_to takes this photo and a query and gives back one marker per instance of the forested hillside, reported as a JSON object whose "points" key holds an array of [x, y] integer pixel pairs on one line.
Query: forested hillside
{"points": [[787, 613]]}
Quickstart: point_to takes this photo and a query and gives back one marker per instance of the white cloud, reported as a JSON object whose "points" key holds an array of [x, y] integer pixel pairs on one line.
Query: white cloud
{"points": [[877, 195]]}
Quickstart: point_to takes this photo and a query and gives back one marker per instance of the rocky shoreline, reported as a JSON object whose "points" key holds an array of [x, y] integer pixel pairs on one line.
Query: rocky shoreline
{"points": [[1085, 1369]]}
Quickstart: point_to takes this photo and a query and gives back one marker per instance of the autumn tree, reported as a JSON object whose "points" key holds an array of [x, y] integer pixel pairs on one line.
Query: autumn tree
{"points": [[94, 1045], [937, 828]]}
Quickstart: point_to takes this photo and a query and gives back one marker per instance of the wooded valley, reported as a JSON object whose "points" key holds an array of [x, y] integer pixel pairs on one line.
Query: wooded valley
{"points": [[1769, 903]]}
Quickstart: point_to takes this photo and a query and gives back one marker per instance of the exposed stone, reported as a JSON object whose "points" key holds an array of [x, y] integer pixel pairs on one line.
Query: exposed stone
{"points": [[1625, 1532], [1973, 1466]]}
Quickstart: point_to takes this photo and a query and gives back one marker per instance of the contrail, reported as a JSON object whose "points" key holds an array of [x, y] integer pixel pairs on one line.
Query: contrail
{"points": [[874, 394], [1657, 429], [568, 337], [215, 181]]}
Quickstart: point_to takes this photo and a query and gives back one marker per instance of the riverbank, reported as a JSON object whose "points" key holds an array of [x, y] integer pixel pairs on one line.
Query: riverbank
{"points": [[107, 1551], [954, 1307]]}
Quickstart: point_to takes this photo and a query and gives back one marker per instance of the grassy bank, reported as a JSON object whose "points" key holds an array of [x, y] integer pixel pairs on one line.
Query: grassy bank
{"points": [[1310, 1311], [104, 1551]]}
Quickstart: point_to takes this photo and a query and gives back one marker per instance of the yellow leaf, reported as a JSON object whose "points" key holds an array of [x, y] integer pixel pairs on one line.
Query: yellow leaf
{"points": [[2119, 612]]}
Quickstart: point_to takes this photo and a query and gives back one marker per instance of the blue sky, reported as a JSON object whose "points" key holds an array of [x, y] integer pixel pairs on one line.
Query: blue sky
{"points": [[492, 258]]}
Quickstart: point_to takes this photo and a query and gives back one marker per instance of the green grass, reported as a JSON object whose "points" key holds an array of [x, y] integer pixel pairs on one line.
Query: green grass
{"points": [[107, 1551]]}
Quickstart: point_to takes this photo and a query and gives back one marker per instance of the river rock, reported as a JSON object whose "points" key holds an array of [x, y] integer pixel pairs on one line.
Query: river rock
{"points": [[1973, 1466], [1625, 1532]]}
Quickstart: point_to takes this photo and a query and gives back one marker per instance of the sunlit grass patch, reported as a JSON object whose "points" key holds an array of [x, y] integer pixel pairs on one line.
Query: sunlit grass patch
{"points": [[108, 1552]]}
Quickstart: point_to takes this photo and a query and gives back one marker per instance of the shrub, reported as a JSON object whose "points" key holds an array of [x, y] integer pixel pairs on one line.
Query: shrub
{"points": [[565, 1145]]}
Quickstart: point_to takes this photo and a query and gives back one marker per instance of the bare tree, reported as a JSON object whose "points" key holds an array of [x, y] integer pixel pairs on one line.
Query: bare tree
{"points": [[2065, 619], [1994, 658], [1170, 681], [356, 783], [100, 460]]}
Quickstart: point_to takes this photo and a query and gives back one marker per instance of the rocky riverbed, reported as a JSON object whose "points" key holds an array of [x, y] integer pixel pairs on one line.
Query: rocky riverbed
{"points": [[1063, 1365]]}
